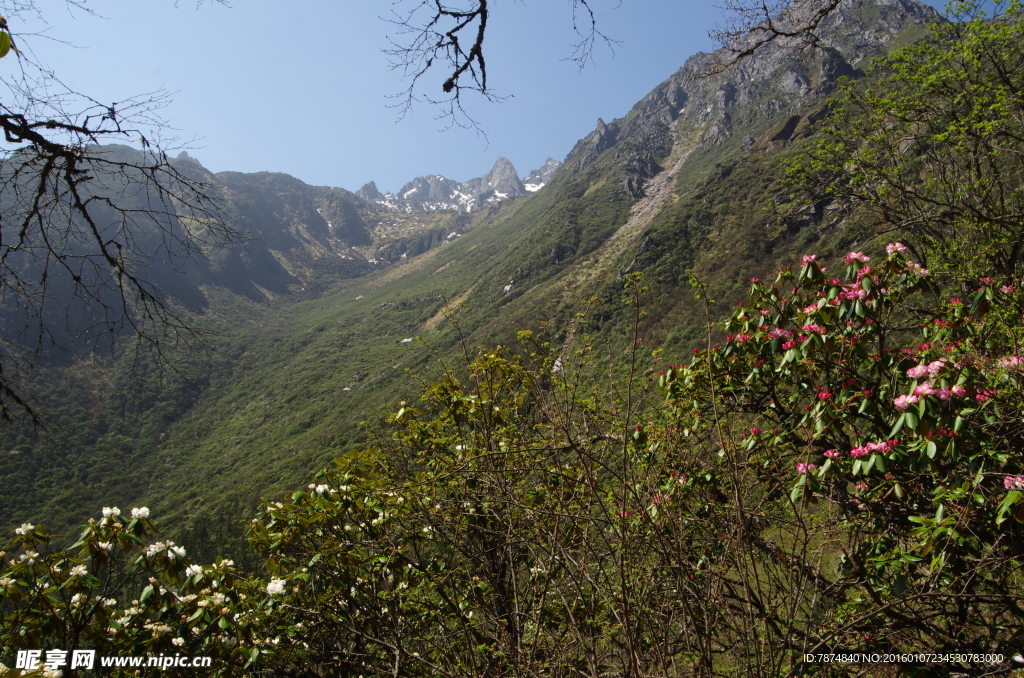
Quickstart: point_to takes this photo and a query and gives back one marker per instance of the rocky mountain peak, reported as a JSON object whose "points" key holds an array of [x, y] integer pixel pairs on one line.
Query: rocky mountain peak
{"points": [[536, 179], [435, 192], [369, 192], [774, 84]]}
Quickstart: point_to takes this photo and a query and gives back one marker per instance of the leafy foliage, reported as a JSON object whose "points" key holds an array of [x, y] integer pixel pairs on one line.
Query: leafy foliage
{"points": [[839, 472], [518, 521], [935, 147]]}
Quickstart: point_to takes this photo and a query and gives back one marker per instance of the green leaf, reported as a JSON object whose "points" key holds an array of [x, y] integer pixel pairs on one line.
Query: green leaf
{"points": [[796, 493], [898, 425]]}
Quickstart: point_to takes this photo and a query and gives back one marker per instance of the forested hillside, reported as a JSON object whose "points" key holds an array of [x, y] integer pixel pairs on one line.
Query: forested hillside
{"points": [[739, 388]]}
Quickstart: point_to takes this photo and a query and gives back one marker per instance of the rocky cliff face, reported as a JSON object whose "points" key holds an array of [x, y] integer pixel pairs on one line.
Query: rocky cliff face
{"points": [[730, 108]]}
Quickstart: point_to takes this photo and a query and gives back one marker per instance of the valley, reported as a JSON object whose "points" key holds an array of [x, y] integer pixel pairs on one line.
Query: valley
{"points": [[327, 285], [732, 389]]}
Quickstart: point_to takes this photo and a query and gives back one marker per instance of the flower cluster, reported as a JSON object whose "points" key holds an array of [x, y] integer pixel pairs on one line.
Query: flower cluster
{"points": [[917, 269], [874, 447], [1013, 482], [857, 257], [172, 550], [931, 369]]}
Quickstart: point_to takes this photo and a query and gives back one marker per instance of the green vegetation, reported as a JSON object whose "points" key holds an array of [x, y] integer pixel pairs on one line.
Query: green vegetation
{"points": [[834, 467]]}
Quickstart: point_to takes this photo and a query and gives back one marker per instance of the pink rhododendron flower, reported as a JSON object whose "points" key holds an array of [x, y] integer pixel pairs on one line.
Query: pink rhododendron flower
{"points": [[894, 247], [824, 395], [1013, 482], [917, 269], [1010, 361], [808, 258], [805, 468], [857, 256], [832, 454], [905, 401], [779, 333], [918, 372], [958, 390], [789, 344], [814, 327]]}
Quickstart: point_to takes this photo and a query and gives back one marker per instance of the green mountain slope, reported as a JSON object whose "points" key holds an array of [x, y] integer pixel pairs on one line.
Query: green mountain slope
{"points": [[314, 312]]}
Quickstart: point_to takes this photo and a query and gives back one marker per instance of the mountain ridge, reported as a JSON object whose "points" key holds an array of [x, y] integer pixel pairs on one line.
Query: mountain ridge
{"points": [[435, 192]]}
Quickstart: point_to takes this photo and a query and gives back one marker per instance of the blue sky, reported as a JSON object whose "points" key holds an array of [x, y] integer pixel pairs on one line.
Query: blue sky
{"points": [[303, 88]]}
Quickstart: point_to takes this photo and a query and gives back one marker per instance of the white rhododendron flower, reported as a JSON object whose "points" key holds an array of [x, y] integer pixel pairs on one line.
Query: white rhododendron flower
{"points": [[25, 528], [275, 587], [109, 512], [140, 512], [78, 571]]}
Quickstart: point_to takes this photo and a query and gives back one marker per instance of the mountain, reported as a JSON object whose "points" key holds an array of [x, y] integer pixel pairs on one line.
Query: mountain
{"points": [[434, 192], [317, 314], [535, 180]]}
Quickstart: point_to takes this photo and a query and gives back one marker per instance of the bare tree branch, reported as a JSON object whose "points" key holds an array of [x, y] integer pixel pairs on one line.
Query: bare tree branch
{"points": [[82, 225], [433, 36], [752, 24]]}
